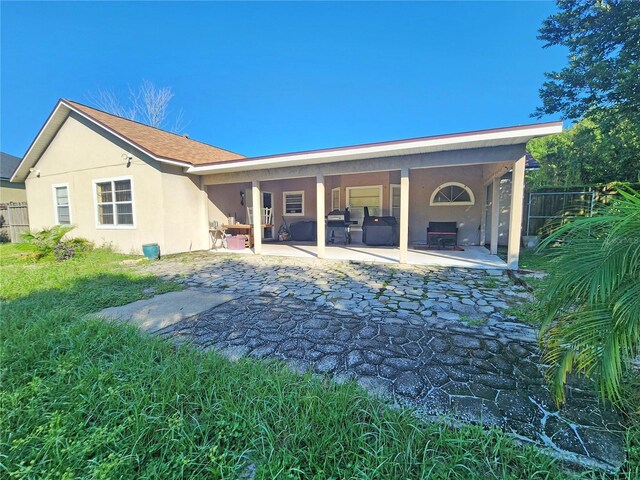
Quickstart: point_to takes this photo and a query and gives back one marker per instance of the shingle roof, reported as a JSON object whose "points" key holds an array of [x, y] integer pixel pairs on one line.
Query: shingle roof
{"points": [[8, 165], [531, 163], [158, 142]]}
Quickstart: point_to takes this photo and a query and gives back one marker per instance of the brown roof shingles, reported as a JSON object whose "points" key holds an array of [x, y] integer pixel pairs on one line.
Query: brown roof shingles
{"points": [[158, 142]]}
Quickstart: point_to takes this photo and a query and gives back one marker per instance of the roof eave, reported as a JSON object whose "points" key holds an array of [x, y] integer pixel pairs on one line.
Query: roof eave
{"points": [[498, 137], [52, 125]]}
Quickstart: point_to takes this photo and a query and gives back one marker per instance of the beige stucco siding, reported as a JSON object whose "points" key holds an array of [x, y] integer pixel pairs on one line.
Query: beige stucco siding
{"points": [[184, 210], [12, 192], [81, 154]]}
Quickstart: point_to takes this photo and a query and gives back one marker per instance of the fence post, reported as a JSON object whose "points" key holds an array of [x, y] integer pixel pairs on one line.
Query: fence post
{"points": [[11, 227]]}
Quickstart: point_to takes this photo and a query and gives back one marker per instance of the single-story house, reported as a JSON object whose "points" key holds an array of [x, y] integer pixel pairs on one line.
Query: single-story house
{"points": [[127, 184], [10, 192]]}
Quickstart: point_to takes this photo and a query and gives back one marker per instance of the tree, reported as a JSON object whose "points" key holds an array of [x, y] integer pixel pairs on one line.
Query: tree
{"points": [[603, 38], [591, 316], [600, 86], [597, 149], [147, 104]]}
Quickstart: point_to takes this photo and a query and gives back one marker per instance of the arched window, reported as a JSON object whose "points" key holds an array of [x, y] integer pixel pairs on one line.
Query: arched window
{"points": [[452, 193]]}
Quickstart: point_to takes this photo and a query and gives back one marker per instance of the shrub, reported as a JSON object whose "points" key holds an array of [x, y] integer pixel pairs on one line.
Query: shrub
{"points": [[46, 239], [63, 251], [67, 249], [80, 244]]}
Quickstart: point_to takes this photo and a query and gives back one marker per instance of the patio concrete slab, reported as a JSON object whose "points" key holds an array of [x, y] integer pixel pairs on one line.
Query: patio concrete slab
{"points": [[470, 257], [165, 310]]}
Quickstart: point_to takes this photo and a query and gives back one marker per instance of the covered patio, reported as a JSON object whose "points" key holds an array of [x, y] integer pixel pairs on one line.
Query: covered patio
{"points": [[470, 257], [473, 181]]}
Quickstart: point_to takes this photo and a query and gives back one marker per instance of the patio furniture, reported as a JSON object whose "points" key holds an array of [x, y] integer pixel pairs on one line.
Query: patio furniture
{"points": [[242, 230], [379, 230], [266, 219], [218, 237], [267, 216], [440, 234]]}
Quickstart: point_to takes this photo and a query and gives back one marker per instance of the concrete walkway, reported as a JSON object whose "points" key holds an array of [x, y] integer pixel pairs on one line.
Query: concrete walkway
{"points": [[440, 340], [165, 310]]}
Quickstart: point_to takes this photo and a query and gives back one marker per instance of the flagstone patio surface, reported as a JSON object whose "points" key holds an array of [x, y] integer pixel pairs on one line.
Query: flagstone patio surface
{"points": [[440, 340]]}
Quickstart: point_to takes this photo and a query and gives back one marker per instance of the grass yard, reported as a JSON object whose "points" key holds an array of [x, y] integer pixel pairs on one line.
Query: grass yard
{"points": [[85, 399]]}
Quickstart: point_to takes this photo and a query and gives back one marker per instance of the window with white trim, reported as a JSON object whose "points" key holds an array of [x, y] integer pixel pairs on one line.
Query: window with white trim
{"points": [[335, 199], [293, 203], [394, 200], [360, 197], [114, 202], [452, 193], [61, 198]]}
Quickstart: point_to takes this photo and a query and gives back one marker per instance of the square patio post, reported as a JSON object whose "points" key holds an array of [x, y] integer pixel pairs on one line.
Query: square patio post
{"points": [[495, 216], [404, 215], [320, 233], [256, 207], [515, 214]]}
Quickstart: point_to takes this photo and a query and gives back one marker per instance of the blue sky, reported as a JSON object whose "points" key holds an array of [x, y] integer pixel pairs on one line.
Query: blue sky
{"points": [[261, 78]]}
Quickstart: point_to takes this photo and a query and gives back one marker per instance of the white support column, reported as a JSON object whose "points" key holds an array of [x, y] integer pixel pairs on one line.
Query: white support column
{"points": [[495, 216], [515, 213], [404, 215], [320, 199], [256, 207]]}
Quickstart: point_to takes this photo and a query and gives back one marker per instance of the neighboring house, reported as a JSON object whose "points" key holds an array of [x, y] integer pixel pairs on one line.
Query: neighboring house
{"points": [[9, 191], [127, 184]]}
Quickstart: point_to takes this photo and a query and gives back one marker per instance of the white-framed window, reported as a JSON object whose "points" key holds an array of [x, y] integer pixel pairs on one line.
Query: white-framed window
{"points": [[394, 201], [114, 203], [61, 204], [335, 199], [452, 193], [360, 197], [293, 203]]}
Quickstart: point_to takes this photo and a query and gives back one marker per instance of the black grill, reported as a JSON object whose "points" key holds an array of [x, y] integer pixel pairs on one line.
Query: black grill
{"points": [[379, 230], [339, 227]]}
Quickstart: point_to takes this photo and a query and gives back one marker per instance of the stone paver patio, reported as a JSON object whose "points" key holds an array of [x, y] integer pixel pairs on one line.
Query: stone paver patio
{"points": [[438, 340]]}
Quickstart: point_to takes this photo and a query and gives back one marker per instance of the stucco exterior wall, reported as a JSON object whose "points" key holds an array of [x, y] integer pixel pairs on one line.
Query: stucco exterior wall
{"points": [[423, 182], [173, 209], [186, 226], [12, 192], [225, 199], [80, 154]]}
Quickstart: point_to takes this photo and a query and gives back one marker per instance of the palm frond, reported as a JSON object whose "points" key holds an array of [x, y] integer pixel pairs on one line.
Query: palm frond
{"points": [[591, 314]]}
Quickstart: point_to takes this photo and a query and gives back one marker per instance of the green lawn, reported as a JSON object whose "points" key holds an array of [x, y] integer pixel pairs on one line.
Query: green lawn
{"points": [[85, 399]]}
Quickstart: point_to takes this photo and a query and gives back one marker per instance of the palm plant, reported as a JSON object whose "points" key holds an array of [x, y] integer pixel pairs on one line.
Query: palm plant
{"points": [[591, 304], [46, 239]]}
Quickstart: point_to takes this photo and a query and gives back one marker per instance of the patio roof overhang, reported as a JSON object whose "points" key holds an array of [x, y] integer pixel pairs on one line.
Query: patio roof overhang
{"points": [[518, 135]]}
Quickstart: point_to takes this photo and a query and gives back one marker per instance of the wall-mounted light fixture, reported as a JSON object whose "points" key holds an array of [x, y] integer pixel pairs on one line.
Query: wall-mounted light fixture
{"points": [[242, 197], [35, 171], [128, 157]]}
